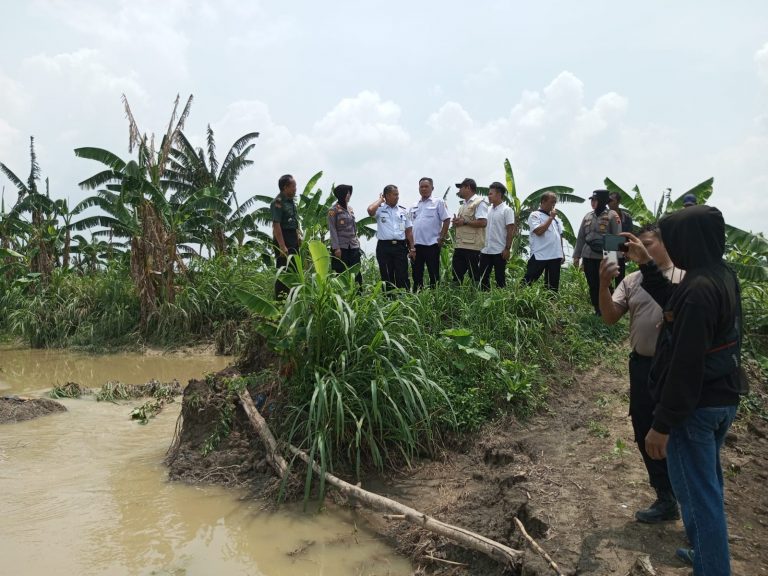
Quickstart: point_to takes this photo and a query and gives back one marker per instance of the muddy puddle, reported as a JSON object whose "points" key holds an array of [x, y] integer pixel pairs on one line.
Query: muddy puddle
{"points": [[85, 492]]}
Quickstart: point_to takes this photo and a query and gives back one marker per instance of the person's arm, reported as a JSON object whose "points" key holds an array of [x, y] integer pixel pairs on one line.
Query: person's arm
{"points": [[541, 228], [579, 245], [277, 234], [610, 312], [375, 206], [444, 231], [477, 223], [508, 243], [411, 244], [335, 246]]}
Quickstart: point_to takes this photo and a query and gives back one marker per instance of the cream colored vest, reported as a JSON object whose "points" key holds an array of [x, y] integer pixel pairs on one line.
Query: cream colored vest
{"points": [[467, 236]]}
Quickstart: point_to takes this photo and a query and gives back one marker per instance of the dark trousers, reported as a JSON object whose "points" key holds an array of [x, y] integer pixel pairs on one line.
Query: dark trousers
{"points": [[641, 407], [465, 260], [550, 269], [282, 261], [392, 256], [496, 263], [429, 255], [592, 272], [349, 257]]}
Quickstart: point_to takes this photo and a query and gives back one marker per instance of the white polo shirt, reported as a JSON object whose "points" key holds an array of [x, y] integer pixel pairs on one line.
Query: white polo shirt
{"points": [[498, 218], [548, 246], [428, 217]]}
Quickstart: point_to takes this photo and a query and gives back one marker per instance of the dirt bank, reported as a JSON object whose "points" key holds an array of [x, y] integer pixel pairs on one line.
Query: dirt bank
{"points": [[575, 478], [572, 475], [20, 408]]}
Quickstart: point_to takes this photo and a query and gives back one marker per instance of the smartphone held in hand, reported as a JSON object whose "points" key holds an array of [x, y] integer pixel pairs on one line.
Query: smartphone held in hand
{"points": [[611, 256]]}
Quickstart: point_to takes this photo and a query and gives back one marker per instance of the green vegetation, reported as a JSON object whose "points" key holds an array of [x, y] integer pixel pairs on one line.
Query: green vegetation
{"points": [[166, 253]]}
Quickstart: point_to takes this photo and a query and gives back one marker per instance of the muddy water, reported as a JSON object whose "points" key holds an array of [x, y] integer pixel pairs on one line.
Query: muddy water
{"points": [[85, 492]]}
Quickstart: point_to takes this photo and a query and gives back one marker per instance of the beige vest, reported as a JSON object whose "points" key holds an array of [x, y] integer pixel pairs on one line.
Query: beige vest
{"points": [[467, 236]]}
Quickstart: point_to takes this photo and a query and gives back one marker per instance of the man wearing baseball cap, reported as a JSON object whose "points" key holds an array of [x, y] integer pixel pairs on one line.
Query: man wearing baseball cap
{"points": [[469, 225]]}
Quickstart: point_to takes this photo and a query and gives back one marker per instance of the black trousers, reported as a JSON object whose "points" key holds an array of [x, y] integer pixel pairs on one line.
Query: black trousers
{"points": [[429, 256], [641, 407], [349, 258], [592, 272], [496, 263], [392, 257], [466, 260], [282, 261], [550, 269]]}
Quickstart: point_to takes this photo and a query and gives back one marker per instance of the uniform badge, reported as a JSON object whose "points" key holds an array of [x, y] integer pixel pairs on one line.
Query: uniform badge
{"points": [[341, 222]]}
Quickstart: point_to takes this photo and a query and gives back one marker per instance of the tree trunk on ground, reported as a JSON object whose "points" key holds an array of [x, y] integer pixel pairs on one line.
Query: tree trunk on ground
{"points": [[497, 551]]}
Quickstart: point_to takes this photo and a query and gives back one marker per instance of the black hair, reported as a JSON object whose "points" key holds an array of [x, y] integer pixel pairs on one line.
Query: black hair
{"points": [[651, 227], [428, 179], [613, 195], [499, 187], [284, 181], [389, 188]]}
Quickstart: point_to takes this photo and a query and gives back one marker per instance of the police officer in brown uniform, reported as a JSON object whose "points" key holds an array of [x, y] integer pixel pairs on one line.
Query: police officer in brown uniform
{"points": [[285, 227], [345, 244], [469, 225], [589, 243]]}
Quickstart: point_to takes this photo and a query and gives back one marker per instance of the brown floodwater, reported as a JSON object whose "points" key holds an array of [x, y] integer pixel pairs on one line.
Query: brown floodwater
{"points": [[85, 491]]}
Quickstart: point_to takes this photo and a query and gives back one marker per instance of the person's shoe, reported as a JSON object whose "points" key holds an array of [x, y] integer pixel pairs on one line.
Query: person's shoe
{"points": [[663, 510], [685, 554]]}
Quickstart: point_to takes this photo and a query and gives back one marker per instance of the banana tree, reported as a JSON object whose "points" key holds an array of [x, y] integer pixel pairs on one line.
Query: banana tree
{"points": [[642, 214], [194, 172], [524, 206], [141, 186], [747, 253], [41, 211]]}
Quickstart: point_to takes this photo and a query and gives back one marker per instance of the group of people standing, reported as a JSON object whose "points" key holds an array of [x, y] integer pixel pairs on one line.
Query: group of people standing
{"points": [[484, 229], [684, 305]]}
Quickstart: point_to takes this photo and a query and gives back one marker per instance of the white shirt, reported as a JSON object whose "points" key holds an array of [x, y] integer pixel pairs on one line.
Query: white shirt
{"points": [[498, 218], [548, 246], [392, 222], [428, 217]]}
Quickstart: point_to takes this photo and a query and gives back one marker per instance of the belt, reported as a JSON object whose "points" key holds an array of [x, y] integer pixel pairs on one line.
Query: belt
{"points": [[393, 241], [634, 355]]}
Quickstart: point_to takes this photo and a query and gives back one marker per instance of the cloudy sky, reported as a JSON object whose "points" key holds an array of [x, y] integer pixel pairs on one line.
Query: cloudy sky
{"points": [[659, 94]]}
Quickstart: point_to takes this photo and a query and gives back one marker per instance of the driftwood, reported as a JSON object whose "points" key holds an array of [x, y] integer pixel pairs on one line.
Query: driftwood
{"points": [[538, 549], [273, 454], [468, 539]]}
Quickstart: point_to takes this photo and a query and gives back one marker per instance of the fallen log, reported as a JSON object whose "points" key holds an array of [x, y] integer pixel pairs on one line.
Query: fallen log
{"points": [[499, 552], [262, 429]]}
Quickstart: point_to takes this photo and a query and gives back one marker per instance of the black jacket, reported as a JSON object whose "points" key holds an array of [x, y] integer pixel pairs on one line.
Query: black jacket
{"points": [[697, 359]]}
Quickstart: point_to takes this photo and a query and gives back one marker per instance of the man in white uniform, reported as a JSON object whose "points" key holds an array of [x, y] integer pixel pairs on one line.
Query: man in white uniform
{"points": [[499, 232], [430, 227], [545, 243]]}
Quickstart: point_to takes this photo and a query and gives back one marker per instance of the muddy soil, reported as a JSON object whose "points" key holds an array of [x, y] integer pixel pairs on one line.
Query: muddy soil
{"points": [[574, 477], [20, 408], [214, 442]]}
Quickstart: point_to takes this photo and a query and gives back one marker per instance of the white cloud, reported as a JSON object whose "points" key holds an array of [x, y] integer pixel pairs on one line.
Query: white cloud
{"points": [[83, 71], [363, 125], [761, 59]]}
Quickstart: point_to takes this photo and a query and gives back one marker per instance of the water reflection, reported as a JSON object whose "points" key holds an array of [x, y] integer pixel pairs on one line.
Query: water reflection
{"points": [[85, 492]]}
